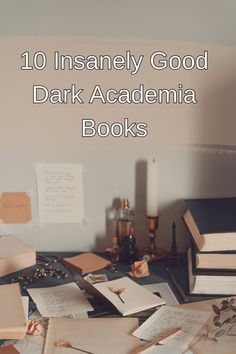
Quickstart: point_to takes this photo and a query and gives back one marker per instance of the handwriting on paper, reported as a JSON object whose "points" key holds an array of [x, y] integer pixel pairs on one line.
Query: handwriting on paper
{"points": [[15, 208], [60, 193], [61, 300], [167, 318]]}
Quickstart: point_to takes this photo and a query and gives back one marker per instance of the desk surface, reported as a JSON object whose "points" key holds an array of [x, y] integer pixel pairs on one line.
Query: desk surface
{"points": [[157, 269]]}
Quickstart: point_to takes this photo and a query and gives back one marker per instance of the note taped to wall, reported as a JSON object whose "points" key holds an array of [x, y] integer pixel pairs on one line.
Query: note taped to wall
{"points": [[60, 193], [15, 208]]}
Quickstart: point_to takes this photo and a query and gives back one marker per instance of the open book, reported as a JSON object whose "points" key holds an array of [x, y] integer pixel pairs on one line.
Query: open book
{"points": [[124, 294]]}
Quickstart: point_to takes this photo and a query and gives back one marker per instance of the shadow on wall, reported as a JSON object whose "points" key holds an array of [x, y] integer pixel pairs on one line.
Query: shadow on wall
{"points": [[218, 123], [216, 166]]}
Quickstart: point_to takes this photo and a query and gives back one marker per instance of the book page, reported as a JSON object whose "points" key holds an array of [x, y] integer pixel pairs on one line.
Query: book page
{"points": [[132, 298], [60, 193], [219, 335], [168, 318], [61, 300]]}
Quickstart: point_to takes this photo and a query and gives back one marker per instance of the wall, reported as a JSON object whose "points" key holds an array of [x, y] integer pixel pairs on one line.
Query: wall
{"points": [[194, 145]]}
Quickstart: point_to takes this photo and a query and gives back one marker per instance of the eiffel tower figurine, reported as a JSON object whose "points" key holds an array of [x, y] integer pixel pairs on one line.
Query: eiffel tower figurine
{"points": [[173, 257]]}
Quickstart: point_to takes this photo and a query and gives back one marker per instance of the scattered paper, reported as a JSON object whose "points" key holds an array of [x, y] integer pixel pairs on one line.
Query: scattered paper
{"points": [[61, 300], [168, 318], [15, 208], [60, 193], [164, 291]]}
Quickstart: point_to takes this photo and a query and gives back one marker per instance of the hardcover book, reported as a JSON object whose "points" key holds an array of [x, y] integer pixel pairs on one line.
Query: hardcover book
{"points": [[15, 255], [221, 260], [86, 262], [214, 282], [212, 223], [13, 322]]}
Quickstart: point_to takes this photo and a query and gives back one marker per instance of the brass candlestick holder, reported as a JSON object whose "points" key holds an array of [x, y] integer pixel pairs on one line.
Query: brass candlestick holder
{"points": [[153, 253]]}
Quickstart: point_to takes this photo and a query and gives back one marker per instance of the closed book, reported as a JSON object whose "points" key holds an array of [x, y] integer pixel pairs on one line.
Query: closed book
{"points": [[86, 262], [211, 282], [212, 223], [221, 260], [15, 255], [13, 322]]}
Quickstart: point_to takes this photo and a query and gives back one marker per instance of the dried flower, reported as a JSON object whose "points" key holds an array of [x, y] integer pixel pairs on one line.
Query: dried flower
{"points": [[63, 343], [117, 291]]}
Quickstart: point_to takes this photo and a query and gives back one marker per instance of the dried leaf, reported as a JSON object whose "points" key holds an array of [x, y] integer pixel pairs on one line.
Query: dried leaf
{"points": [[233, 319], [216, 320], [216, 309], [62, 343], [219, 333]]}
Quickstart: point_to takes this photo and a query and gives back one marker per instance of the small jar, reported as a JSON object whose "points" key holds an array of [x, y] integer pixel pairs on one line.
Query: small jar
{"points": [[128, 250]]}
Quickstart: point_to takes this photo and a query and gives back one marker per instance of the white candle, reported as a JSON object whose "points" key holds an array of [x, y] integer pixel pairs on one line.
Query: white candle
{"points": [[152, 197]]}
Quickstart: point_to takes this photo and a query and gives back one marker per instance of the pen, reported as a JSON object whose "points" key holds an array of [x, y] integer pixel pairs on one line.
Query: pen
{"points": [[158, 339], [178, 287]]}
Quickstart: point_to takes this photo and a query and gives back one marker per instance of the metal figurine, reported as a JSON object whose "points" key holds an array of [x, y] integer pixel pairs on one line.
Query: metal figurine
{"points": [[173, 256]]}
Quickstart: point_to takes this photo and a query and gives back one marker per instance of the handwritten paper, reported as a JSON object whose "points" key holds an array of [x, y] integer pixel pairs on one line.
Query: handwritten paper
{"points": [[60, 193], [167, 318], [15, 208], [61, 300]]}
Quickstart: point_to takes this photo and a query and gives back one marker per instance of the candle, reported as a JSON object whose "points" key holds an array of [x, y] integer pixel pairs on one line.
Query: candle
{"points": [[152, 200]]}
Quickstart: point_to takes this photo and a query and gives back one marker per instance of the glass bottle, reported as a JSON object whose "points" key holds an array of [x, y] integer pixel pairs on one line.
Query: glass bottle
{"points": [[126, 232]]}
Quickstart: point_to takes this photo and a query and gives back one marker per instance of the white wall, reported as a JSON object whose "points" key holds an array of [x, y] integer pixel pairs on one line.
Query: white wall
{"points": [[111, 173], [200, 167]]}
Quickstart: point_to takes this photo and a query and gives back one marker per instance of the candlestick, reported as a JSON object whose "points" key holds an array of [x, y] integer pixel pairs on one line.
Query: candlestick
{"points": [[152, 197], [153, 253]]}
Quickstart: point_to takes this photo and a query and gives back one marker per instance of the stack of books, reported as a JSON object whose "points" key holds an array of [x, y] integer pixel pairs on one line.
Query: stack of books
{"points": [[212, 255]]}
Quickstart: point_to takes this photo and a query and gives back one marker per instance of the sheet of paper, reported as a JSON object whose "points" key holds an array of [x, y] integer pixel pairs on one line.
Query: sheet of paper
{"points": [[95, 335], [164, 291], [225, 334], [15, 208], [61, 300], [60, 193], [167, 318]]}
